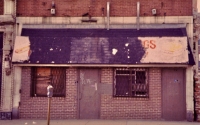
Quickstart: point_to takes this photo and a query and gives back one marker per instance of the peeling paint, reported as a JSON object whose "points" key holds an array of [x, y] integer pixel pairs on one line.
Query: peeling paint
{"points": [[29, 53], [165, 49], [21, 50], [114, 51], [107, 49]]}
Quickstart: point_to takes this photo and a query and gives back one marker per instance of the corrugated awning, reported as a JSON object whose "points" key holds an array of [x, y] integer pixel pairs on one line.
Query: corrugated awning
{"points": [[100, 46]]}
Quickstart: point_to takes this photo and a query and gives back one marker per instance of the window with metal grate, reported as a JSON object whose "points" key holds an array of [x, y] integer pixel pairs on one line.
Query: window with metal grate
{"points": [[43, 76], [131, 82]]}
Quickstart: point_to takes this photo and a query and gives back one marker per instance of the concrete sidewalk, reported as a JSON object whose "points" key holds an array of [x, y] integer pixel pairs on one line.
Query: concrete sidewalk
{"points": [[95, 122]]}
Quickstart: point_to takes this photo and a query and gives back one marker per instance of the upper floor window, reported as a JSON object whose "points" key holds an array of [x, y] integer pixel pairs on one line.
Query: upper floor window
{"points": [[43, 76], [131, 82]]}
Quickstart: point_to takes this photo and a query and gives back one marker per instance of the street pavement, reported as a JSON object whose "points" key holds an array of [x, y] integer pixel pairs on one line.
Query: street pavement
{"points": [[95, 122]]}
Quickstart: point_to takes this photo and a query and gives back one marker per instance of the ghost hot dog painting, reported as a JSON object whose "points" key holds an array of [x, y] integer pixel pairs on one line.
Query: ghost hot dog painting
{"points": [[21, 50]]}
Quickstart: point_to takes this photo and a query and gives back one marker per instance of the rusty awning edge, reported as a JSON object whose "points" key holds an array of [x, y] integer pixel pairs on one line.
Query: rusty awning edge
{"points": [[104, 65], [102, 26]]}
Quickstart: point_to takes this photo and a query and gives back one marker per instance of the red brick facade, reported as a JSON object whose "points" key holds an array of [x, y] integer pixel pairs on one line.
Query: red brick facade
{"points": [[107, 75], [134, 108], [197, 100], [97, 8], [111, 107], [1, 7], [36, 107]]}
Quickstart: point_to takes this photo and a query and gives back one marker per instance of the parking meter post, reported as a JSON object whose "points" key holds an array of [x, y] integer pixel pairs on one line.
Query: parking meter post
{"points": [[49, 95], [48, 114]]}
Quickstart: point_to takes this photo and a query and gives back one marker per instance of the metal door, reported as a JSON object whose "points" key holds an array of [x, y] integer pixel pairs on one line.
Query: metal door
{"points": [[173, 94], [88, 94]]}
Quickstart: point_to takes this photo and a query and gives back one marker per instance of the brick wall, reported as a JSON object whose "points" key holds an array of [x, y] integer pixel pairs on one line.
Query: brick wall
{"points": [[111, 107], [76, 8], [134, 108], [197, 100], [107, 75], [36, 107], [1, 7]]}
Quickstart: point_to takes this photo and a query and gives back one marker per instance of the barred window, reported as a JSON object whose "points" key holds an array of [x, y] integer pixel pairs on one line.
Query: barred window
{"points": [[43, 76], [131, 82]]}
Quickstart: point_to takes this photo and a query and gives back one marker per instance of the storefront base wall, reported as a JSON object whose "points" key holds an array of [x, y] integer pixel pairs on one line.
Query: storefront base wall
{"points": [[134, 108], [110, 107], [197, 101], [36, 107]]}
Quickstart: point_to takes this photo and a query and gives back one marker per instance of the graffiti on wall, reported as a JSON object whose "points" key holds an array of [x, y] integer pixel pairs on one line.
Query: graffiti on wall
{"points": [[90, 50]]}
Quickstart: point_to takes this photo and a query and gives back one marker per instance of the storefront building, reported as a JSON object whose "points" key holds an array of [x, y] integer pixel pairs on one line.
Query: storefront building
{"points": [[108, 60]]}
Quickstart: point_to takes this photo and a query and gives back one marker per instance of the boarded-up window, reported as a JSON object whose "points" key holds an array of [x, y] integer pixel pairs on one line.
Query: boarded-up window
{"points": [[131, 82], [43, 76]]}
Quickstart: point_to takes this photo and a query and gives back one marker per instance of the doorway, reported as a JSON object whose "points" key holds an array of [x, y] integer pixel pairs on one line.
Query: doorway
{"points": [[173, 94], [89, 98]]}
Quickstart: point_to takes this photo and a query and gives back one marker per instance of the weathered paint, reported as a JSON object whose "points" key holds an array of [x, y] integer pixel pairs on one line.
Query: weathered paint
{"points": [[21, 49], [189, 93], [89, 94], [164, 49], [16, 92], [119, 49]]}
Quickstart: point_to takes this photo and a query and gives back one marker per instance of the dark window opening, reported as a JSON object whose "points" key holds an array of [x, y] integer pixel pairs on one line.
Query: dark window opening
{"points": [[1, 56], [43, 76], [131, 82]]}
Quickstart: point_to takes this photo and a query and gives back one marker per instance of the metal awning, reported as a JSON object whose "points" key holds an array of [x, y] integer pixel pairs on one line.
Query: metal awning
{"points": [[102, 47]]}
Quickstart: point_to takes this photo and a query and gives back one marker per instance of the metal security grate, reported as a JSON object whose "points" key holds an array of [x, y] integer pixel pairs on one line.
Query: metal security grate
{"points": [[43, 76], [131, 82], [58, 81]]}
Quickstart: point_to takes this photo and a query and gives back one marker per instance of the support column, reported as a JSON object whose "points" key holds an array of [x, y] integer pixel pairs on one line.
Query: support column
{"points": [[16, 92], [189, 94], [9, 6], [7, 86]]}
